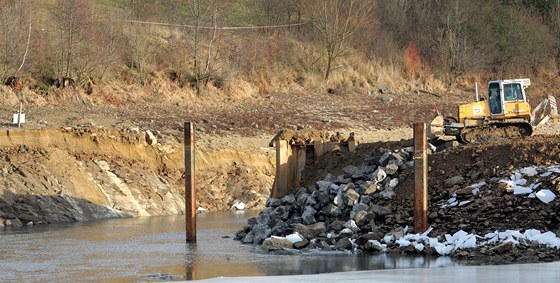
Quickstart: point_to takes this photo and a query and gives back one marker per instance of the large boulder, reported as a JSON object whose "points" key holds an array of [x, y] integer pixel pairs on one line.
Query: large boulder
{"points": [[309, 215], [276, 243], [351, 197], [343, 244], [349, 170], [378, 175], [362, 218], [260, 232], [310, 231], [391, 169], [456, 180], [369, 188]]}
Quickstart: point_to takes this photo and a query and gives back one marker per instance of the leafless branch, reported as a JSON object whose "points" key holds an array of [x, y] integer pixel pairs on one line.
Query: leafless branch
{"points": [[26, 50]]}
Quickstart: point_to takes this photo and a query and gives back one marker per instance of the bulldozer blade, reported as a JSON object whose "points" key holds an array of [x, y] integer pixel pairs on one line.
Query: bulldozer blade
{"points": [[435, 128]]}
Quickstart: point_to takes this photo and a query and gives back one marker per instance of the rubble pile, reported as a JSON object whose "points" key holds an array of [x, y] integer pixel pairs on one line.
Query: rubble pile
{"points": [[525, 198], [337, 210], [511, 215]]}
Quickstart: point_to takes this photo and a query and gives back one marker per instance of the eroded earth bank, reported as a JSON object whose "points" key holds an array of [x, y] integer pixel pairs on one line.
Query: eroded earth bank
{"points": [[87, 172]]}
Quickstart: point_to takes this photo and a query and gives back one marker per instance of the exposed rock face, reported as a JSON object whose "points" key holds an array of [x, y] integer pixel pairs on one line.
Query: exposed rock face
{"points": [[87, 172]]}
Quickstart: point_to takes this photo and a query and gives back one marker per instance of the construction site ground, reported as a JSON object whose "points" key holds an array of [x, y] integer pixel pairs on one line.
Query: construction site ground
{"points": [[247, 124], [235, 133]]}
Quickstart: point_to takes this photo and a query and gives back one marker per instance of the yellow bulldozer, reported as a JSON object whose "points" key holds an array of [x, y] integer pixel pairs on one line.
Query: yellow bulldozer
{"points": [[504, 113]]}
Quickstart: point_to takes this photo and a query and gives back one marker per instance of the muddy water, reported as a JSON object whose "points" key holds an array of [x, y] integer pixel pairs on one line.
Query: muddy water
{"points": [[154, 249]]}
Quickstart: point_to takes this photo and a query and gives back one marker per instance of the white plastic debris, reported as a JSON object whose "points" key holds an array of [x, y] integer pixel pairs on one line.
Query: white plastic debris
{"points": [[546, 238], [477, 185], [443, 249], [294, 238], [433, 242], [388, 239], [425, 234], [517, 175], [546, 174], [510, 233], [492, 237], [412, 237], [531, 234], [450, 203], [456, 237], [511, 240], [546, 196], [419, 247], [238, 205], [529, 171], [403, 242], [520, 190], [466, 242]]}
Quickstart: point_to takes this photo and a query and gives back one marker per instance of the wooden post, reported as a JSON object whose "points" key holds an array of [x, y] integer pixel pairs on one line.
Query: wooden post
{"points": [[420, 178], [352, 143], [317, 151], [19, 113], [280, 187], [290, 169], [190, 192], [299, 153], [191, 273]]}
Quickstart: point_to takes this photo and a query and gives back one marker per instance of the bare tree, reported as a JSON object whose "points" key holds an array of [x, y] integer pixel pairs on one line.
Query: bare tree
{"points": [[337, 21], [456, 53], [73, 19], [206, 17], [107, 48], [14, 32]]}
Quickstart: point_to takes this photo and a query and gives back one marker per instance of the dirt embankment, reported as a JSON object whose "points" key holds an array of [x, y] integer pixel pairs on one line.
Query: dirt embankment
{"points": [[102, 165], [84, 173]]}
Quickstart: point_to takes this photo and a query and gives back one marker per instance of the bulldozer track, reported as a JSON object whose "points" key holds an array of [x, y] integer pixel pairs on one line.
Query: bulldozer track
{"points": [[495, 131]]}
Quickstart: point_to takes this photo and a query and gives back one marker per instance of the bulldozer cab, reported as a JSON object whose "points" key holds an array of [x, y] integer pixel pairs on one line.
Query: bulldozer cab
{"points": [[503, 92], [495, 99]]}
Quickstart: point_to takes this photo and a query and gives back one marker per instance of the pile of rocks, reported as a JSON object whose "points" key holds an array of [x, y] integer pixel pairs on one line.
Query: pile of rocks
{"points": [[369, 209], [338, 212], [524, 198]]}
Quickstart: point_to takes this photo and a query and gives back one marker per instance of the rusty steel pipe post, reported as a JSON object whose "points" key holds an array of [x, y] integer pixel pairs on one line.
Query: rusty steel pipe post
{"points": [[190, 192], [420, 178]]}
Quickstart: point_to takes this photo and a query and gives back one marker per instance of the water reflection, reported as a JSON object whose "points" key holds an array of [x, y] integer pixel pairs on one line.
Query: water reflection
{"points": [[155, 248], [191, 255]]}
